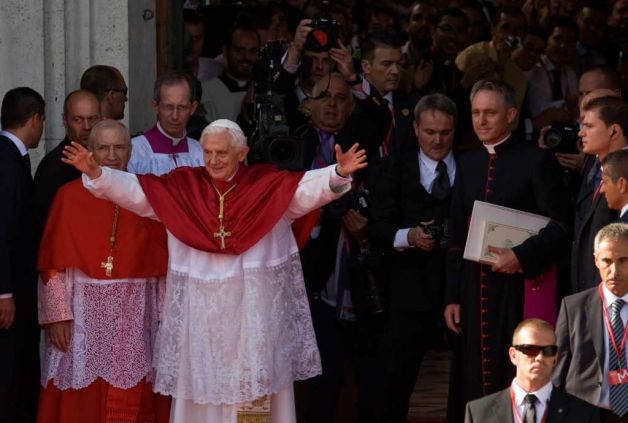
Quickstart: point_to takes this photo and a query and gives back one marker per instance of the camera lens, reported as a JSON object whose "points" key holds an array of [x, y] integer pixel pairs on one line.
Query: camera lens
{"points": [[552, 138]]}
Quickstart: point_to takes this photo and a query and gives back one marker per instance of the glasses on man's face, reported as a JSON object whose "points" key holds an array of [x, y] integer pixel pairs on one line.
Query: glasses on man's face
{"points": [[124, 91], [534, 350]]}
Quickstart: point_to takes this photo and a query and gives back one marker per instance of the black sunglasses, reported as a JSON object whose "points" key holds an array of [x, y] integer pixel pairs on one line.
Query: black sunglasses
{"points": [[124, 91], [533, 350]]}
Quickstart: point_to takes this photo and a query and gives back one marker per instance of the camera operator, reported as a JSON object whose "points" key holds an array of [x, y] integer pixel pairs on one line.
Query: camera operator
{"points": [[410, 208], [326, 257], [602, 129]]}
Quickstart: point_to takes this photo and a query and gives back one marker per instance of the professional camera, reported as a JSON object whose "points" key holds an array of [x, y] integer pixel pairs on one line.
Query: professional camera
{"points": [[562, 138], [271, 141], [324, 35]]}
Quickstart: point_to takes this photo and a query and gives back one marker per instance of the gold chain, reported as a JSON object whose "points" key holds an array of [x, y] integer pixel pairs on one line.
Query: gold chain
{"points": [[114, 228]]}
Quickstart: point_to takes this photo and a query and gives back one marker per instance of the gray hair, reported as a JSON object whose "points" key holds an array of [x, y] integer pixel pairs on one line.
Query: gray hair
{"points": [[437, 102], [503, 89], [238, 139], [613, 231], [108, 124]]}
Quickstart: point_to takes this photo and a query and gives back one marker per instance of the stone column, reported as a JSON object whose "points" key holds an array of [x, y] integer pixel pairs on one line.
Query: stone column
{"points": [[47, 44]]}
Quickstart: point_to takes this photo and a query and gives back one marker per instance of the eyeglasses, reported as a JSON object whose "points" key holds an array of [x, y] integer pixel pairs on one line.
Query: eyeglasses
{"points": [[124, 91], [534, 350]]}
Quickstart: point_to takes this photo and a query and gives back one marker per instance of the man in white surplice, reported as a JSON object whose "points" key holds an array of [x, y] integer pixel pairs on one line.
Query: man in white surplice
{"points": [[236, 328]]}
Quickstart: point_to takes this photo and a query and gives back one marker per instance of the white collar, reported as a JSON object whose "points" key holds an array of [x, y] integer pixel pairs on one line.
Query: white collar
{"points": [[609, 297], [431, 163], [491, 147], [175, 141], [623, 210], [18, 142], [547, 63], [366, 87], [543, 394]]}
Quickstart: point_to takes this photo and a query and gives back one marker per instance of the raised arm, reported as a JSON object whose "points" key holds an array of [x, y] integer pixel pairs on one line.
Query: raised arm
{"points": [[322, 186], [122, 188]]}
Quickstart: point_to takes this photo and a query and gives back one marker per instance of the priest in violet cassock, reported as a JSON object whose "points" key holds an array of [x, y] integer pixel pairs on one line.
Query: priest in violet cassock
{"points": [[235, 330], [102, 269]]}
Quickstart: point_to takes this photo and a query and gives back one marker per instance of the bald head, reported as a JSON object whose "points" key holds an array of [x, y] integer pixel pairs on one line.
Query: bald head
{"points": [[81, 111]]}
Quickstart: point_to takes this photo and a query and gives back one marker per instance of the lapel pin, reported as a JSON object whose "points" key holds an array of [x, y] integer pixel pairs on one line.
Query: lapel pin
{"points": [[560, 410], [405, 112]]}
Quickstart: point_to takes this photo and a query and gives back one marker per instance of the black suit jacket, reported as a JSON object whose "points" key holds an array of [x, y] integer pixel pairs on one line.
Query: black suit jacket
{"points": [[562, 407], [399, 201], [18, 259], [591, 216], [624, 218], [581, 350], [51, 175]]}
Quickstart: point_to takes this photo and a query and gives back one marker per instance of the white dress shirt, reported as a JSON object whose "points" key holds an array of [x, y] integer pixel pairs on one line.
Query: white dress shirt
{"points": [[623, 210], [427, 169], [609, 299], [543, 396], [23, 151]]}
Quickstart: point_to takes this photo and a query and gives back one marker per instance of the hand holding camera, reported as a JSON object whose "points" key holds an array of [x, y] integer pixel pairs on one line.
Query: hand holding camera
{"points": [[420, 238]]}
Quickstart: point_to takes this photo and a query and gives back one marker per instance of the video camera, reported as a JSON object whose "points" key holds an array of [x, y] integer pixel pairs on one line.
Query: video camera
{"points": [[271, 141]]}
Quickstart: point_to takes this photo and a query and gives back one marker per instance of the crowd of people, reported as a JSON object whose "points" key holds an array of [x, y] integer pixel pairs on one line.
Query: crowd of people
{"points": [[181, 275]]}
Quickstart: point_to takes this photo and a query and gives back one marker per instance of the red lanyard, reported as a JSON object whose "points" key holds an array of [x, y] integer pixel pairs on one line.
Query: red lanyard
{"points": [[609, 328], [515, 408]]}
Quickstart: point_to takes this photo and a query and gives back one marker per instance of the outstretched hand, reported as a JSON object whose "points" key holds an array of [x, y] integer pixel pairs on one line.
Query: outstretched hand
{"points": [[82, 159], [351, 161]]}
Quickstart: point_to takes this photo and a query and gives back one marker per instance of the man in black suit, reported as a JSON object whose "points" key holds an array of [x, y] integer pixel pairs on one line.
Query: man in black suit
{"points": [[531, 397], [22, 118], [381, 65], [603, 129], [615, 182], [589, 361], [81, 111], [410, 209]]}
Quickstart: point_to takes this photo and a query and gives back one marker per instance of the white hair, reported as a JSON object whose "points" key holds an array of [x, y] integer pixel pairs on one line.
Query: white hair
{"points": [[108, 124], [238, 139]]}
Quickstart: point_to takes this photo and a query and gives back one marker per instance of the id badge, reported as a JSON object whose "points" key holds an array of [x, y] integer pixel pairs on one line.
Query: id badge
{"points": [[617, 377]]}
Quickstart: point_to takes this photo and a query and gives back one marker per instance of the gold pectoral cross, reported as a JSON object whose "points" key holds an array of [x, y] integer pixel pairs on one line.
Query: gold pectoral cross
{"points": [[222, 234], [108, 266]]}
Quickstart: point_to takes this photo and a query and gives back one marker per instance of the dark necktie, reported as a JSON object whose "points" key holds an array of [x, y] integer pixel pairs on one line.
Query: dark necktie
{"points": [[618, 394], [27, 161], [441, 187], [325, 152], [530, 408], [557, 89]]}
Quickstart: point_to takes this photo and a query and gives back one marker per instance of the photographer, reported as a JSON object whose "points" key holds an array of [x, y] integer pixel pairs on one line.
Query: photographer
{"points": [[326, 258], [410, 209]]}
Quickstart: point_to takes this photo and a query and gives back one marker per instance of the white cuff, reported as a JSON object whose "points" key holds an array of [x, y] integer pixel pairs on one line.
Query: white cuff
{"points": [[401, 240], [6, 296]]}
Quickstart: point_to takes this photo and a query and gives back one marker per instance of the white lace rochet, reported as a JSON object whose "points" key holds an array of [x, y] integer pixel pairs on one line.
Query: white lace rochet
{"points": [[112, 333], [236, 339]]}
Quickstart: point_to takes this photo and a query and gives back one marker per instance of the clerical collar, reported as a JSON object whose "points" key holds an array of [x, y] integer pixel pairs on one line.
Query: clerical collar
{"points": [[234, 85], [491, 147], [18, 142], [543, 394], [175, 141]]}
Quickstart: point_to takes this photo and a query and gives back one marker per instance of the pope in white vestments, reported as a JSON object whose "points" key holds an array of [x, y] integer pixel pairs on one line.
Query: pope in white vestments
{"points": [[236, 330]]}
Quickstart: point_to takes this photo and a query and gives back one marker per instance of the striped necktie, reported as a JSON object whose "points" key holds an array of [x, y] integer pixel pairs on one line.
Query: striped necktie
{"points": [[618, 395]]}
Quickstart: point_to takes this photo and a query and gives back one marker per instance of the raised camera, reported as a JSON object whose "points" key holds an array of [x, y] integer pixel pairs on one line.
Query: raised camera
{"points": [[324, 35], [562, 138], [513, 41]]}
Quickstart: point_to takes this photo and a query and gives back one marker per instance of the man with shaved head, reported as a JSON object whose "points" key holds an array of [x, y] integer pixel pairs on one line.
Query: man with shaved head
{"points": [[108, 85], [81, 111]]}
